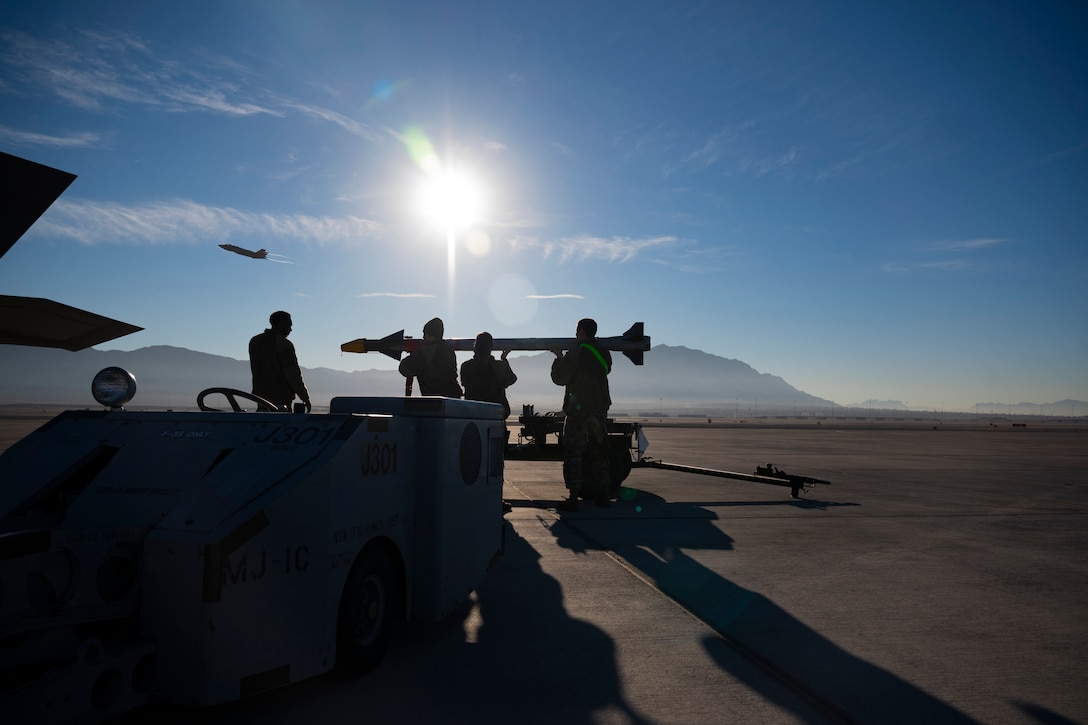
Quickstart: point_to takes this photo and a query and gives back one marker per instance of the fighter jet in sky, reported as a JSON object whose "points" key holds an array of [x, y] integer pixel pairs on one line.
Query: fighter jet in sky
{"points": [[259, 254]]}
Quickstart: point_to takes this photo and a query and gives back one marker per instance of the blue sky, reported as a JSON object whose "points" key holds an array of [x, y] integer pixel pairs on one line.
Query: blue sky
{"points": [[869, 200]]}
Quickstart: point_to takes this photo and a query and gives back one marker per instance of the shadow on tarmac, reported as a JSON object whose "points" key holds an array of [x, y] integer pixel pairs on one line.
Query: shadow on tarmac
{"points": [[750, 629], [513, 654], [1043, 715]]}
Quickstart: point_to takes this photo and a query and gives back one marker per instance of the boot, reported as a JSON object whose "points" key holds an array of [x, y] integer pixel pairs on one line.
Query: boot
{"points": [[569, 504]]}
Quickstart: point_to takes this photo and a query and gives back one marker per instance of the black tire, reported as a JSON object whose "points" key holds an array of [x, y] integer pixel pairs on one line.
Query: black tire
{"points": [[619, 462], [366, 613]]}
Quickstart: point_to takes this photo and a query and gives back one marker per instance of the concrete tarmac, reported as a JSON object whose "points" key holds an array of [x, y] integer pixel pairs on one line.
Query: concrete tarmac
{"points": [[942, 577]]}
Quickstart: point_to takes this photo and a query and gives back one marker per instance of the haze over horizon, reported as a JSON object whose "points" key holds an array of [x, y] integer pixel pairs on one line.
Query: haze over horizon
{"points": [[870, 202], [676, 381]]}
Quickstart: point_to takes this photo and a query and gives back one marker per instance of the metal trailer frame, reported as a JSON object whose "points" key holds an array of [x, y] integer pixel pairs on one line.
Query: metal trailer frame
{"points": [[627, 448]]}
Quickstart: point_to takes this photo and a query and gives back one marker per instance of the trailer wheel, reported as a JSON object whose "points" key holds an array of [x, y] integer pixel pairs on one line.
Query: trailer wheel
{"points": [[366, 610], [619, 462]]}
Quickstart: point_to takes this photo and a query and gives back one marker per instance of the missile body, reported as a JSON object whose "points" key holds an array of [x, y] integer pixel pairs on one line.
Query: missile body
{"points": [[631, 343]]}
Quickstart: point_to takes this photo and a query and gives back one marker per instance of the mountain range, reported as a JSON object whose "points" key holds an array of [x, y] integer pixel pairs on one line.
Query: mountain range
{"points": [[678, 378], [675, 380]]}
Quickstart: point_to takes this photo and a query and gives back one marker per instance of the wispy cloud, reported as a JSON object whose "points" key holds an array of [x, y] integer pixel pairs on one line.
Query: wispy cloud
{"points": [[565, 296], [698, 260], [584, 248], [951, 265], [946, 247], [742, 148], [1071, 151], [98, 70], [186, 222], [714, 148], [563, 148], [350, 125], [28, 138], [399, 295], [965, 245]]}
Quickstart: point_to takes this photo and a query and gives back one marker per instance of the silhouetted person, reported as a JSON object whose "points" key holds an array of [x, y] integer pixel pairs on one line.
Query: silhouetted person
{"points": [[583, 370], [276, 375], [486, 378], [433, 363]]}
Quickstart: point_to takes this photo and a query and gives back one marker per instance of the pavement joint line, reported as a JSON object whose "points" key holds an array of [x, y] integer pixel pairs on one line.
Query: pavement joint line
{"points": [[806, 693]]}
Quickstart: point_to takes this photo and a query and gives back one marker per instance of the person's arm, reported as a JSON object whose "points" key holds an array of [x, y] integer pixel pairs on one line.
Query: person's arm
{"points": [[468, 380], [563, 366], [417, 362], [506, 376], [411, 365], [293, 373]]}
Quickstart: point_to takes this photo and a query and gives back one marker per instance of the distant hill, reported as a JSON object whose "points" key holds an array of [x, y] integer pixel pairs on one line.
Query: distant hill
{"points": [[673, 378]]}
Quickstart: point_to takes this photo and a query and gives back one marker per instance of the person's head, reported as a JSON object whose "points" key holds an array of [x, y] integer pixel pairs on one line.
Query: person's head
{"points": [[434, 328], [484, 343], [587, 328], [280, 321]]}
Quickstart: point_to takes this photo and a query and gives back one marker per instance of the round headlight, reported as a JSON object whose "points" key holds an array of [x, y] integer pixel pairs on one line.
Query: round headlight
{"points": [[113, 387]]}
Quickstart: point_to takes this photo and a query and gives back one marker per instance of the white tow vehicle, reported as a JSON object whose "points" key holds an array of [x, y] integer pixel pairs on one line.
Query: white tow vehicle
{"points": [[199, 557]]}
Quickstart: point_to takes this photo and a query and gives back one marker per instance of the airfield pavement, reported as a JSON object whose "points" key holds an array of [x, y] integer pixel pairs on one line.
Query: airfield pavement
{"points": [[942, 577]]}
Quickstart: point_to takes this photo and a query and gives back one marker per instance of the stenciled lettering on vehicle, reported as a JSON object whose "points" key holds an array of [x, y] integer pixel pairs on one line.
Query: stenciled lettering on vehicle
{"points": [[290, 436], [244, 567], [358, 531], [186, 434], [377, 458]]}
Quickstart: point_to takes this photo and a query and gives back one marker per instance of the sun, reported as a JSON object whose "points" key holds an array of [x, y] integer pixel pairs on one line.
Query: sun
{"points": [[452, 198]]}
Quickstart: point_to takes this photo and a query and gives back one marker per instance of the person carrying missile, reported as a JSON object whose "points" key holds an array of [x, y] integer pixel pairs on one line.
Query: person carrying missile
{"points": [[433, 363], [583, 371], [486, 378], [276, 375]]}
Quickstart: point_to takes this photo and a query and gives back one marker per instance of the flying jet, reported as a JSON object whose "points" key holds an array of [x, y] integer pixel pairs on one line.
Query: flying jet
{"points": [[259, 254]]}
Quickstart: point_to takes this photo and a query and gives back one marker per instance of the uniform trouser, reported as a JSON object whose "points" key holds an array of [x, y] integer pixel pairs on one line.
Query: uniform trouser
{"points": [[585, 456]]}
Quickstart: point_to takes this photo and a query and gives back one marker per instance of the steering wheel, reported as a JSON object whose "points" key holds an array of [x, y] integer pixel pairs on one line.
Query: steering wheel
{"points": [[231, 395]]}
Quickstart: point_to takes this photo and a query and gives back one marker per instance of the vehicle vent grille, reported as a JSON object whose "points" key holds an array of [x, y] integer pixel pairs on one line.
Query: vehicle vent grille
{"points": [[471, 454]]}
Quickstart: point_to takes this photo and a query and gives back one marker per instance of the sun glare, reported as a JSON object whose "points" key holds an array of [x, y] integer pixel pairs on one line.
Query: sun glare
{"points": [[452, 199]]}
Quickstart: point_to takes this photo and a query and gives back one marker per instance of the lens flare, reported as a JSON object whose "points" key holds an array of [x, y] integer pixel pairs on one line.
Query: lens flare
{"points": [[478, 243], [421, 150]]}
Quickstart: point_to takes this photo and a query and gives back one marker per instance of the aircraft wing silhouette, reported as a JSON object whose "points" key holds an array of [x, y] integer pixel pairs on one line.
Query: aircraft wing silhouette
{"points": [[31, 189], [44, 323]]}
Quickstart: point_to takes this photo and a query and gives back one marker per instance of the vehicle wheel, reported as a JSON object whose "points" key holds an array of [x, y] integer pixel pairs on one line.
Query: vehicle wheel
{"points": [[366, 610], [619, 462]]}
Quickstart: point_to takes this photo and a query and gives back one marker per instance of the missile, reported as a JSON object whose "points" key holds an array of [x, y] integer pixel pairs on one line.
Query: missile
{"points": [[631, 343]]}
